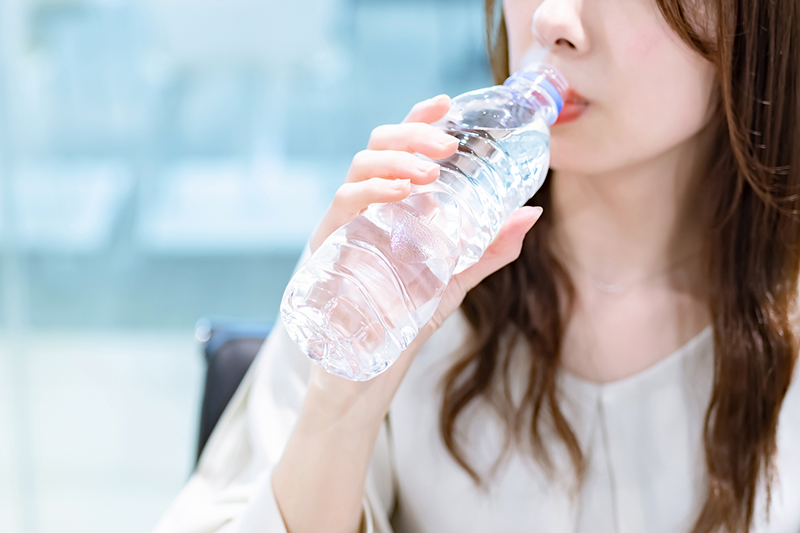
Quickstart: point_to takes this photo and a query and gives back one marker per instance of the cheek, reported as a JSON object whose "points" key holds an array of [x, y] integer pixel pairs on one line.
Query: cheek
{"points": [[640, 47], [663, 90], [651, 108], [652, 93], [638, 35], [649, 128], [668, 112]]}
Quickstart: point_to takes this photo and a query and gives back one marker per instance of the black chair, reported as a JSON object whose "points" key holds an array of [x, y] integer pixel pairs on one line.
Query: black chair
{"points": [[229, 350]]}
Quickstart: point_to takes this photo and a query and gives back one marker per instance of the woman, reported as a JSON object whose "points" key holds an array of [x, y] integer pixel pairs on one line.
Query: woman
{"points": [[630, 369]]}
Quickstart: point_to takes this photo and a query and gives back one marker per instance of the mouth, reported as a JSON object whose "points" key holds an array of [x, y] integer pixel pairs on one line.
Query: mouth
{"points": [[574, 106], [574, 97]]}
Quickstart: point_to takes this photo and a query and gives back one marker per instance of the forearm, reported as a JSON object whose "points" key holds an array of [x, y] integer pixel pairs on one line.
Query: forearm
{"points": [[319, 481]]}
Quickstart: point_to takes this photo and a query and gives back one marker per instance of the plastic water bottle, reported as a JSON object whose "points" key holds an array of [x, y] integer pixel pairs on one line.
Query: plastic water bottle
{"points": [[362, 296]]}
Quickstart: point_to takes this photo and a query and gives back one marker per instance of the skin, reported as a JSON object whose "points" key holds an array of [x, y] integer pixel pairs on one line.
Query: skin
{"points": [[621, 207], [622, 201], [340, 419]]}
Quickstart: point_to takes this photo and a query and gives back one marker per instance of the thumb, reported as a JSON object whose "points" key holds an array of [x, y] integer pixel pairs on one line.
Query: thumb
{"points": [[504, 249]]}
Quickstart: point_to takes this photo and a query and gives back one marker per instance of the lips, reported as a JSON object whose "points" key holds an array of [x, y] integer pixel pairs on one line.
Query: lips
{"points": [[574, 97], [574, 106]]}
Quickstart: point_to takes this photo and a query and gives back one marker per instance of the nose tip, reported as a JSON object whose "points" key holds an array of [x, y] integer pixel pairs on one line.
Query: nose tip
{"points": [[535, 31], [556, 24]]}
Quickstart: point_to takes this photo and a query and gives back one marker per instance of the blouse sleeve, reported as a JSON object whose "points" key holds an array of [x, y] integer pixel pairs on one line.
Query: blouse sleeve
{"points": [[231, 489]]}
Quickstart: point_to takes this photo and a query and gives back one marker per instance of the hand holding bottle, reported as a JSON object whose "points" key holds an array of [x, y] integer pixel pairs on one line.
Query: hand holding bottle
{"points": [[319, 481], [383, 173], [366, 292]]}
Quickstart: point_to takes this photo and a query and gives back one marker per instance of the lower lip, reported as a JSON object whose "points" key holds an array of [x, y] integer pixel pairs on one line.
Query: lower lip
{"points": [[570, 112]]}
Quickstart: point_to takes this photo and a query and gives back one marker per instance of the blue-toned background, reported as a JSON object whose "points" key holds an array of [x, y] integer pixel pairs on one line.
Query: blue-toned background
{"points": [[163, 161]]}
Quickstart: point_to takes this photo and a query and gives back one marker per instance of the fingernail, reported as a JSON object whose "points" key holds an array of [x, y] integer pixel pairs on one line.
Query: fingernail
{"points": [[437, 99], [401, 184], [425, 167], [538, 212], [448, 143]]}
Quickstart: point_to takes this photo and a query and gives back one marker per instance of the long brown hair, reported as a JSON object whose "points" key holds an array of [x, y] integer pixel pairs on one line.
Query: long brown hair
{"points": [[750, 191]]}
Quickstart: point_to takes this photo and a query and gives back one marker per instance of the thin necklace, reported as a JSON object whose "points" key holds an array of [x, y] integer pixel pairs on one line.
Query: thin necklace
{"points": [[618, 288]]}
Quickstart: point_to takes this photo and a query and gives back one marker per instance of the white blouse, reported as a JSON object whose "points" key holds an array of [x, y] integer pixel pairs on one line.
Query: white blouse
{"points": [[641, 436]]}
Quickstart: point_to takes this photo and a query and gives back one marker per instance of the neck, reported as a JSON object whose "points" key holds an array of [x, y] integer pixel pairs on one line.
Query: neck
{"points": [[632, 223]]}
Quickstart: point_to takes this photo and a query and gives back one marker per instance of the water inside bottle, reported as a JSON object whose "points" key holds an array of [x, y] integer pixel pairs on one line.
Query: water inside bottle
{"points": [[375, 281]]}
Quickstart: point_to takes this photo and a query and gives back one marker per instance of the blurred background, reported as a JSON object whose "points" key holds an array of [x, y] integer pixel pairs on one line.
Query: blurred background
{"points": [[163, 162]]}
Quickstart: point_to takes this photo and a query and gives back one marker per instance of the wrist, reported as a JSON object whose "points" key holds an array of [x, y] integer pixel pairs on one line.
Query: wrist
{"points": [[335, 403], [358, 405]]}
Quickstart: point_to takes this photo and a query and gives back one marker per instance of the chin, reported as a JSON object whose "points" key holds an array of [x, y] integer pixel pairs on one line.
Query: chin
{"points": [[569, 157], [581, 156]]}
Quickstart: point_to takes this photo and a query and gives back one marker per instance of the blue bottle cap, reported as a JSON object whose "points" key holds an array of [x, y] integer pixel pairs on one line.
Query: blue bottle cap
{"points": [[542, 78], [545, 84]]}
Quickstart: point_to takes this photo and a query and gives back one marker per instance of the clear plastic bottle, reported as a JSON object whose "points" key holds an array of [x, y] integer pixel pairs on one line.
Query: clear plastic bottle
{"points": [[362, 296]]}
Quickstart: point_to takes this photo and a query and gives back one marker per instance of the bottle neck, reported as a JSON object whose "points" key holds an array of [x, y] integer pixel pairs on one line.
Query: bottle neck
{"points": [[540, 87]]}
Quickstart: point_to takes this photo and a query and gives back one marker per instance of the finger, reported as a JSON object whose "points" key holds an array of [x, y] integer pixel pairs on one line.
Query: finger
{"points": [[413, 137], [353, 198], [391, 165], [429, 111], [504, 249]]}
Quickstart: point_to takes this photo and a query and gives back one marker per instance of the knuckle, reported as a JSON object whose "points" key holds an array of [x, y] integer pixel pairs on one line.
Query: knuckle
{"points": [[416, 108], [424, 132], [343, 194], [361, 158], [407, 160], [378, 133], [410, 137]]}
